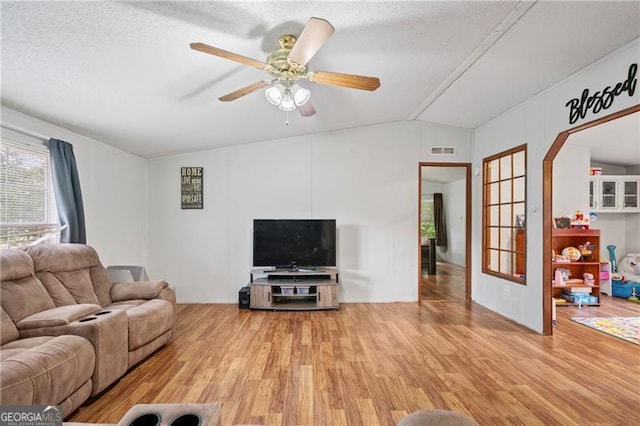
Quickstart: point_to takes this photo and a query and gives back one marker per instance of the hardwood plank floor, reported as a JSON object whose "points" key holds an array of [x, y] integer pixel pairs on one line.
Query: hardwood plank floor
{"points": [[446, 284], [371, 364]]}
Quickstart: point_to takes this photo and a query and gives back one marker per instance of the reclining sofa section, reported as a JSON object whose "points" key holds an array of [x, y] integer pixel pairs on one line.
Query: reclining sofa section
{"points": [[67, 331]]}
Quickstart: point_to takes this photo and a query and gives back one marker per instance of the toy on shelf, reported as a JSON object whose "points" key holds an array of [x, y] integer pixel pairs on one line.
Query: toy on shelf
{"points": [[586, 250], [588, 278], [571, 253], [578, 221]]}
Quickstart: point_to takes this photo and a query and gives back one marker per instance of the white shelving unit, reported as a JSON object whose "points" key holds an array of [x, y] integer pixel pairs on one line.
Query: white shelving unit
{"points": [[605, 277]]}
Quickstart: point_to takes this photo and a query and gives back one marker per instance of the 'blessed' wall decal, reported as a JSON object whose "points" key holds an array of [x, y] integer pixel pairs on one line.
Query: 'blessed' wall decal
{"points": [[578, 107]]}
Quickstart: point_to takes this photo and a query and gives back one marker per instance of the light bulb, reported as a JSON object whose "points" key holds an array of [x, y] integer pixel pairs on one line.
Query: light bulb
{"points": [[300, 95], [274, 94], [287, 103]]}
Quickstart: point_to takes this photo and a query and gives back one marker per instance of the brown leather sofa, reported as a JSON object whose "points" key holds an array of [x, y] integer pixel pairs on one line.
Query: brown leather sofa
{"points": [[57, 303]]}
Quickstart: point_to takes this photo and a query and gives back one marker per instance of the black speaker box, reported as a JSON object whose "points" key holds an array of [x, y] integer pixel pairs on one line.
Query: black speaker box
{"points": [[244, 296]]}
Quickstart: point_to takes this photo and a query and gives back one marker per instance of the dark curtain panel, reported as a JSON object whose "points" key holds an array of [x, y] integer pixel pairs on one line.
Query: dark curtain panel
{"points": [[66, 186], [438, 218]]}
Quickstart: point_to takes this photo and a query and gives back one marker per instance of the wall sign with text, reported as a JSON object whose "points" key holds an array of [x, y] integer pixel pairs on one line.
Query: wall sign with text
{"points": [[191, 186], [602, 100]]}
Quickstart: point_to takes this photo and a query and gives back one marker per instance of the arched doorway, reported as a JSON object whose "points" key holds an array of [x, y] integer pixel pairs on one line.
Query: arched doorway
{"points": [[547, 208]]}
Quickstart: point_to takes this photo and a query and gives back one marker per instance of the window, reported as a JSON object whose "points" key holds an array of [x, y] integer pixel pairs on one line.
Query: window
{"points": [[504, 202], [28, 213], [427, 223]]}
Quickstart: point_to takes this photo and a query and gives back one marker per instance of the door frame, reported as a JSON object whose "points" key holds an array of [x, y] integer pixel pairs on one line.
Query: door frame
{"points": [[467, 255], [547, 209]]}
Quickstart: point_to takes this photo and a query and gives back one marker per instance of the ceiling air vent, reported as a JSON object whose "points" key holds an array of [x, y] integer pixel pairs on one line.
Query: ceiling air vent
{"points": [[443, 150]]}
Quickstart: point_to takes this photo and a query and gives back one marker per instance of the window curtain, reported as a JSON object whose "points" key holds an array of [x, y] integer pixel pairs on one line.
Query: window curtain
{"points": [[66, 186], [438, 218]]}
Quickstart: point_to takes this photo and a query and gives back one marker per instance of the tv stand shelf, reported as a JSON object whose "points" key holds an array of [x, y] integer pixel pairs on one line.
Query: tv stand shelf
{"points": [[294, 290]]}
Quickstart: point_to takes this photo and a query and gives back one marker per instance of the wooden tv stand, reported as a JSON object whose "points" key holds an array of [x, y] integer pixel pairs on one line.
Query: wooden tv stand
{"points": [[300, 290]]}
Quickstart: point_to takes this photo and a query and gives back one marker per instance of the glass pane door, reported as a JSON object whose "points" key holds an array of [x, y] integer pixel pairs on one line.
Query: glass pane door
{"points": [[608, 194], [630, 194]]}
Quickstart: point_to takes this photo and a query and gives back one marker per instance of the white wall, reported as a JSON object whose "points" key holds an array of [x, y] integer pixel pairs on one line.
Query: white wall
{"points": [[454, 207], [114, 191], [571, 180], [632, 228], [608, 169], [537, 122], [366, 178], [613, 231]]}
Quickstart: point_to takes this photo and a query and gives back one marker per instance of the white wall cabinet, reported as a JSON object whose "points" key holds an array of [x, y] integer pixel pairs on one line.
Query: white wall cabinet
{"points": [[614, 194]]}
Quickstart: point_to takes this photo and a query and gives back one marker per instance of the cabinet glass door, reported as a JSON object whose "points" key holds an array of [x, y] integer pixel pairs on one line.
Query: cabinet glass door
{"points": [[609, 194], [630, 200], [592, 194]]}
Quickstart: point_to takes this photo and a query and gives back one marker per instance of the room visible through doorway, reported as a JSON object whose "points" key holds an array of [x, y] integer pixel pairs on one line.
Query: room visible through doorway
{"points": [[444, 232]]}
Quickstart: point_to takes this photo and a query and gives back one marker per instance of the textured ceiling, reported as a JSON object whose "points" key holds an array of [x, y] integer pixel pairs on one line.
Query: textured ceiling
{"points": [[123, 73]]}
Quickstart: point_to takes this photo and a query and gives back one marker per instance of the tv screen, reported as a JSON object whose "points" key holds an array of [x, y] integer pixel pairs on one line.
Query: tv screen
{"points": [[291, 242]]}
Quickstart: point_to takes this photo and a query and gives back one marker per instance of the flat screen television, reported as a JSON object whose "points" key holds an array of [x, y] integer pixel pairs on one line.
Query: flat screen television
{"points": [[289, 243]]}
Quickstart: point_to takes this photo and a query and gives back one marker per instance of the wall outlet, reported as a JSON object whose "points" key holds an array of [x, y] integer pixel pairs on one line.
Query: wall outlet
{"points": [[507, 290]]}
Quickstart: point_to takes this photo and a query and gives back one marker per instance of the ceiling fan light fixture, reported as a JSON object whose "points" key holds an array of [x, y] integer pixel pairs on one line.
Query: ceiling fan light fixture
{"points": [[287, 103], [300, 95], [274, 94]]}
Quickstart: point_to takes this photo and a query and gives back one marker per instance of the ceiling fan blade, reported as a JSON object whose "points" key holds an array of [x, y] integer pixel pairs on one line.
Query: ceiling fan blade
{"points": [[345, 80], [228, 55], [244, 91], [313, 36], [307, 110]]}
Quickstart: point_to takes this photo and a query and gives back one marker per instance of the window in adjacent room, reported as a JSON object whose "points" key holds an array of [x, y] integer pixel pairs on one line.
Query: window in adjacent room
{"points": [[427, 222], [504, 202], [28, 213]]}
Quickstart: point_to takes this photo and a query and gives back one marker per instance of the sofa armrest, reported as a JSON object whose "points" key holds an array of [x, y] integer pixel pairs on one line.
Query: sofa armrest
{"points": [[54, 317], [137, 290]]}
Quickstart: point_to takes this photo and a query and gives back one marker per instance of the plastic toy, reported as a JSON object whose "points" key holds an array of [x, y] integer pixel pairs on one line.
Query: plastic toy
{"points": [[612, 258]]}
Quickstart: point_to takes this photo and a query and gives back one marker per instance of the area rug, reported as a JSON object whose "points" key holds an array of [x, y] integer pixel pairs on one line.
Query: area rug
{"points": [[625, 328]]}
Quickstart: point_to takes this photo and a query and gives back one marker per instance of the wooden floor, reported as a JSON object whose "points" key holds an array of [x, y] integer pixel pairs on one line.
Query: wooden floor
{"points": [[446, 284], [370, 364]]}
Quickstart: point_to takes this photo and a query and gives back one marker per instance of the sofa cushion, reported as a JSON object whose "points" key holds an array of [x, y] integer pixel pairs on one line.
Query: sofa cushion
{"points": [[138, 290], [126, 304], [58, 292], [78, 283], [15, 264], [21, 345], [8, 330], [148, 321], [58, 316], [62, 257], [101, 284], [64, 261], [47, 373], [23, 297]]}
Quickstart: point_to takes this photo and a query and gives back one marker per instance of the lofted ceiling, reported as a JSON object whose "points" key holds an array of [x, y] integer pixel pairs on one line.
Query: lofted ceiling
{"points": [[123, 72]]}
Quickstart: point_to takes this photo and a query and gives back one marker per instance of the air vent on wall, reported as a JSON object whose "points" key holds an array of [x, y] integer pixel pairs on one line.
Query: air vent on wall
{"points": [[443, 150]]}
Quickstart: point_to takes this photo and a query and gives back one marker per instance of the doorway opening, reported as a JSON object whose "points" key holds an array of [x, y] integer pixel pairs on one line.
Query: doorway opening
{"points": [[444, 259], [548, 211]]}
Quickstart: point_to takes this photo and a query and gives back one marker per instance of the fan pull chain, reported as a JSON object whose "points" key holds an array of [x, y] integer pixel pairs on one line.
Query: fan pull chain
{"points": [[287, 122]]}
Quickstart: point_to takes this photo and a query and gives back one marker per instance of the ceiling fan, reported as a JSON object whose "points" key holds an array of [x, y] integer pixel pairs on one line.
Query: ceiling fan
{"points": [[288, 64]]}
